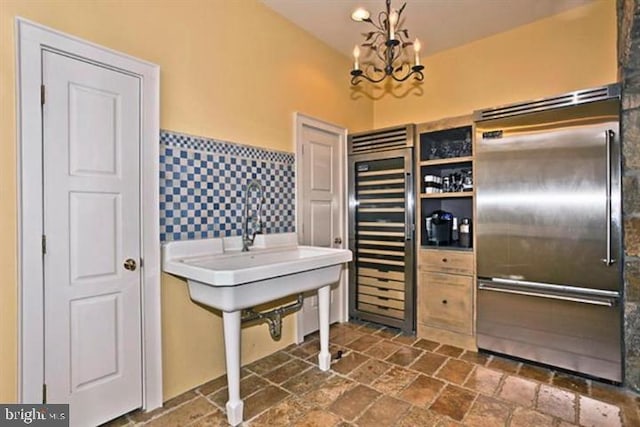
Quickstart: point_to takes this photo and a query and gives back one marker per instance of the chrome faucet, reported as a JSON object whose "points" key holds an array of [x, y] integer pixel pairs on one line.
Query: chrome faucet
{"points": [[256, 220]]}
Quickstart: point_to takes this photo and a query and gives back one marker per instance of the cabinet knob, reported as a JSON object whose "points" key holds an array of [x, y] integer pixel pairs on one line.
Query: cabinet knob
{"points": [[444, 260], [444, 301]]}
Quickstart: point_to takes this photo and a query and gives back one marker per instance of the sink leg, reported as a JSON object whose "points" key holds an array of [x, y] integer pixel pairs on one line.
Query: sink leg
{"points": [[324, 301], [235, 405]]}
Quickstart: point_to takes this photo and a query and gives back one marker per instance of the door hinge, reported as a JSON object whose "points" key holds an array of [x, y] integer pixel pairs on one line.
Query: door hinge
{"points": [[44, 244], [41, 94], [44, 393]]}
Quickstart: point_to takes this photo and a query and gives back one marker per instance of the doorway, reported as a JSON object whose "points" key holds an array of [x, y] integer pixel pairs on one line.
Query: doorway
{"points": [[321, 206], [89, 231]]}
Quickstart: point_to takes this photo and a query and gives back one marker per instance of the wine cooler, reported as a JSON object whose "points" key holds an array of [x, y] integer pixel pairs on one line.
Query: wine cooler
{"points": [[382, 227]]}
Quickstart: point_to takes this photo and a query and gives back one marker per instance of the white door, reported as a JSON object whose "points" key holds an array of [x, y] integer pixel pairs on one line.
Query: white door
{"points": [[91, 119], [322, 207]]}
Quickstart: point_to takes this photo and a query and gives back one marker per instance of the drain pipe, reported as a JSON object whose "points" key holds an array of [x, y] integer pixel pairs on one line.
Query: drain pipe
{"points": [[273, 317]]}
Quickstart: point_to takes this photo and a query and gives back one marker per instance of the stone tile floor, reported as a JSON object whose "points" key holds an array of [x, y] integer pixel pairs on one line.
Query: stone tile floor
{"points": [[385, 378]]}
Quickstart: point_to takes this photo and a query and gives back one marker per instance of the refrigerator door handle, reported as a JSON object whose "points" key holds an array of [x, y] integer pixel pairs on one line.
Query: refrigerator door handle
{"points": [[609, 136], [549, 287], [607, 302], [408, 221]]}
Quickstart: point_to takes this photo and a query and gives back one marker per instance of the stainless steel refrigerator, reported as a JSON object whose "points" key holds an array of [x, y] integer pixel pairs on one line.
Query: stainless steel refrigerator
{"points": [[548, 231], [381, 227]]}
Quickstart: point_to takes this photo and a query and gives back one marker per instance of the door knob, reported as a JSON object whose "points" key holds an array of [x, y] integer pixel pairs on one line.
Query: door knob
{"points": [[130, 264], [337, 240]]}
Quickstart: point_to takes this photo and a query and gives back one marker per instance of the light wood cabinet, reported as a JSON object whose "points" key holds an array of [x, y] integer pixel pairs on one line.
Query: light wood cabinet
{"points": [[447, 302], [446, 297], [446, 274]]}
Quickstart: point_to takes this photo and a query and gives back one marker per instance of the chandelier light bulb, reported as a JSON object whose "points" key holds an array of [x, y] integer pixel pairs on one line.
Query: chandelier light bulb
{"points": [[393, 21], [416, 48], [356, 55], [360, 14]]}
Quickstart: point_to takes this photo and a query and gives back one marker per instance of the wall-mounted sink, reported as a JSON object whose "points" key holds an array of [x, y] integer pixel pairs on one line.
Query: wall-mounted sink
{"points": [[230, 280], [219, 275]]}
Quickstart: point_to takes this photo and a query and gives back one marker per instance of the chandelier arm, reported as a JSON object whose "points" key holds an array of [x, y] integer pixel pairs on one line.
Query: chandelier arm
{"points": [[377, 26], [414, 72], [364, 76], [383, 19], [371, 70], [380, 53], [375, 38], [382, 56]]}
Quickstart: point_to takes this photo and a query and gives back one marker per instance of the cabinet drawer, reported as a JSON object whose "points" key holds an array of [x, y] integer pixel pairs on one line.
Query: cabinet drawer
{"points": [[456, 262], [445, 301]]}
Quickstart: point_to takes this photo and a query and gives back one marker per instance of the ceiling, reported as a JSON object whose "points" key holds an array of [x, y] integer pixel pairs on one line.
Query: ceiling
{"points": [[439, 24]]}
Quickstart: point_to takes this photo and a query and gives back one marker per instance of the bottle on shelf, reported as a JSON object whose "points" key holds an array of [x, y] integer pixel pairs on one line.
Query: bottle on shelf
{"points": [[465, 233], [467, 183], [432, 184], [454, 229]]}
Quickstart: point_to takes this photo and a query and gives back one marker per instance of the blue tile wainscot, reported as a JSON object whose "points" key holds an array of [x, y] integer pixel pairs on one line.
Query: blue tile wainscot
{"points": [[202, 184]]}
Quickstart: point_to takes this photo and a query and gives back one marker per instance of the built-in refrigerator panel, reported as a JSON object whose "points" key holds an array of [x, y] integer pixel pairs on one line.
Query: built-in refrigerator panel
{"points": [[381, 229], [563, 333], [544, 213], [548, 231]]}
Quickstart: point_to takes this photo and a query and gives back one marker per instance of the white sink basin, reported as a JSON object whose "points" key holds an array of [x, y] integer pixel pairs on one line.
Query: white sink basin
{"points": [[221, 276]]}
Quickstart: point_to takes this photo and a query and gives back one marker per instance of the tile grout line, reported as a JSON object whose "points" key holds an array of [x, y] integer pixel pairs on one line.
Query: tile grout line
{"points": [[202, 417], [475, 399], [167, 410], [576, 408]]}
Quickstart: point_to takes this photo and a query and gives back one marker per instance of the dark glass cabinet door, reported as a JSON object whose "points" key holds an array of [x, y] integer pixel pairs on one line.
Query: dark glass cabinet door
{"points": [[381, 216]]}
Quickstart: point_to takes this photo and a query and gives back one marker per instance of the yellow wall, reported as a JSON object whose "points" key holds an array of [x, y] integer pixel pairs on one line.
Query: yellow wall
{"points": [[232, 70], [569, 51]]}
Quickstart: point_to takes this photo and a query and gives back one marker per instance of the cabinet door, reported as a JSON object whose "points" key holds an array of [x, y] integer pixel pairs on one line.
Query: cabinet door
{"points": [[445, 301]]}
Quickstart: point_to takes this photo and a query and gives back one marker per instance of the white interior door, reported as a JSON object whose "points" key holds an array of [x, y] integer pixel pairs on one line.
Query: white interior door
{"points": [[91, 120], [322, 208]]}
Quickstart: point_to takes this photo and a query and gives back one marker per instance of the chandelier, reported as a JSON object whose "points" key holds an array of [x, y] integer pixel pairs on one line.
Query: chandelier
{"points": [[387, 42]]}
